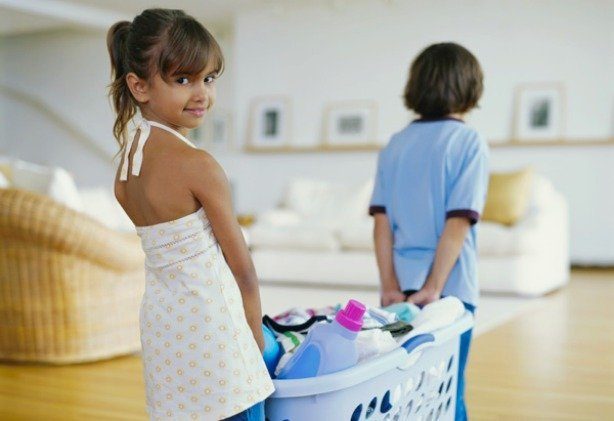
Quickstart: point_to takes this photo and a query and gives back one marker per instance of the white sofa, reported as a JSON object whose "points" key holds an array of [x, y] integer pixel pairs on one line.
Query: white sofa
{"points": [[322, 235]]}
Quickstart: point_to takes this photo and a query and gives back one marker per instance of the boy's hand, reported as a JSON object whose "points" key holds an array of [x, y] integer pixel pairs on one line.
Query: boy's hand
{"points": [[393, 296], [424, 296]]}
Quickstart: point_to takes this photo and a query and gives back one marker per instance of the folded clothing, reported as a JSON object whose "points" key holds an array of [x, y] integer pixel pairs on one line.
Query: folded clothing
{"points": [[370, 343], [397, 329], [297, 315], [300, 327], [382, 316], [437, 314], [289, 341], [403, 311]]}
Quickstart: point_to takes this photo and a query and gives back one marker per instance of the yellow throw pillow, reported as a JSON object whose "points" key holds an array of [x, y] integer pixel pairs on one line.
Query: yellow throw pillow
{"points": [[508, 196]]}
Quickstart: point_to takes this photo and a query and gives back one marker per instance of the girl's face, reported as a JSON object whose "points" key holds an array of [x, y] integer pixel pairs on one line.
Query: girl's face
{"points": [[181, 102]]}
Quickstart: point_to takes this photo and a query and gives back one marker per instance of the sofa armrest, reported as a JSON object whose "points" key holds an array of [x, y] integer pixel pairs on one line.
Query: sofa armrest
{"points": [[34, 218], [554, 211]]}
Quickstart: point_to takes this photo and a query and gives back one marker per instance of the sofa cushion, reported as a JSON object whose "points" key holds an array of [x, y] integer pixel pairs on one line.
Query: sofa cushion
{"points": [[495, 239], [357, 235], [279, 218], [292, 237], [508, 196], [55, 183], [325, 204]]}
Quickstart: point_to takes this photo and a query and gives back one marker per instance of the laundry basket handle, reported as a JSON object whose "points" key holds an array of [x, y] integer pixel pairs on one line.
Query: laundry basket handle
{"points": [[414, 342], [413, 346]]}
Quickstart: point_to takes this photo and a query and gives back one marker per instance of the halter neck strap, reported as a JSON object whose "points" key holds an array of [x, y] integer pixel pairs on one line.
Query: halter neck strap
{"points": [[144, 130]]}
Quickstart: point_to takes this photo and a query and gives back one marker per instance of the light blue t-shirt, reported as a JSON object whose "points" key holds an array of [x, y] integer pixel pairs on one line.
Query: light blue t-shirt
{"points": [[432, 170]]}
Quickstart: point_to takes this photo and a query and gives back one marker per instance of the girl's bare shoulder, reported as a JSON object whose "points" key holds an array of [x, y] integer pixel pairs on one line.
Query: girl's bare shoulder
{"points": [[183, 163], [200, 165], [166, 149]]}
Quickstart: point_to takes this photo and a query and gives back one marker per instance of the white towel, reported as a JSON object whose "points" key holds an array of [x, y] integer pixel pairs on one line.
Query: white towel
{"points": [[437, 314], [370, 343]]}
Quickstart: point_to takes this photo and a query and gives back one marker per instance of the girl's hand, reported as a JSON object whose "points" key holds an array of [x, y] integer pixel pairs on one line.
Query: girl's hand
{"points": [[393, 296], [424, 296]]}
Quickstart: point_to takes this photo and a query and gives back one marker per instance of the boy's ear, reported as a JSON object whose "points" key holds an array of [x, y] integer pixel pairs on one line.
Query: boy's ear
{"points": [[138, 87]]}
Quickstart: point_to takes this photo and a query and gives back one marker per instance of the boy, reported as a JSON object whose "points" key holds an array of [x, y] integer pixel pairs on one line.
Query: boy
{"points": [[430, 189]]}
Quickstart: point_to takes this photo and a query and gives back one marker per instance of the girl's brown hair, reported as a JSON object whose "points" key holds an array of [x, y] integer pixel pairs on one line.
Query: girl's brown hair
{"points": [[164, 41], [444, 79]]}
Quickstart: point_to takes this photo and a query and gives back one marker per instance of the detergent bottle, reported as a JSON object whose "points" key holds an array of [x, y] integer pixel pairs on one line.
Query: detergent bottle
{"points": [[329, 347]]}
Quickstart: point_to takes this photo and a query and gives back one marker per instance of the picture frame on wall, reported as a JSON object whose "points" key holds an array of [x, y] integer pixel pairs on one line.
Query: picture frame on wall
{"points": [[539, 112], [269, 126], [350, 124]]}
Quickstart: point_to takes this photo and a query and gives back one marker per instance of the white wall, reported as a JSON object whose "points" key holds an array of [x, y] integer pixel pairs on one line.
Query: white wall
{"points": [[67, 71], [315, 55]]}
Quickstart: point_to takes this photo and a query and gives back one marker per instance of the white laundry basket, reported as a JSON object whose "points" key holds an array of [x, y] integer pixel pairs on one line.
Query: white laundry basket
{"points": [[415, 382]]}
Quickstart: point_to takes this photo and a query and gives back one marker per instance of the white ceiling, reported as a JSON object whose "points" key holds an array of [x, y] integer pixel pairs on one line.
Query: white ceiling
{"points": [[23, 16], [209, 10], [15, 22], [26, 16]]}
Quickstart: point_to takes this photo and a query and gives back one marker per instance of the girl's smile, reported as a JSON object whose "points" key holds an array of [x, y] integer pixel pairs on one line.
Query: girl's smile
{"points": [[196, 112]]}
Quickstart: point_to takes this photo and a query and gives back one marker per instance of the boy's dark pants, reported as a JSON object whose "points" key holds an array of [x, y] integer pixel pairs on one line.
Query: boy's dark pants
{"points": [[465, 342]]}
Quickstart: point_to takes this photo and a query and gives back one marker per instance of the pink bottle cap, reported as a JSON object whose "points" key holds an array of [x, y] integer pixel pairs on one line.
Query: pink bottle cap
{"points": [[351, 316]]}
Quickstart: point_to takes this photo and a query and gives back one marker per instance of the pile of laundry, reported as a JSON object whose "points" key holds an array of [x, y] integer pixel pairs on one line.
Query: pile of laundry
{"points": [[306, 337]]}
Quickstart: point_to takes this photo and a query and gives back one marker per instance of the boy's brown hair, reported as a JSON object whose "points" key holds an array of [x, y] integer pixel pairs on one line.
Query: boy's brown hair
{"points": [[444, 79]]}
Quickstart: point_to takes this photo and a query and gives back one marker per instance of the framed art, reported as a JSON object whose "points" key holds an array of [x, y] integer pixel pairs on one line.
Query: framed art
{"points": [[539, 112], [269, 126], [348, 124]]}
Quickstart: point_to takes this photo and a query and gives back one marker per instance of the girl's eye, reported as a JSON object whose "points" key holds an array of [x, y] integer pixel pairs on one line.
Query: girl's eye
{"points": [[209, 80], [182, 80]]}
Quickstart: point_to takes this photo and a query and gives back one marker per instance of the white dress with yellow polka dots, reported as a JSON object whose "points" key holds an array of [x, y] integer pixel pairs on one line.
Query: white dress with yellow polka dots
{"points": [[200, 358]]}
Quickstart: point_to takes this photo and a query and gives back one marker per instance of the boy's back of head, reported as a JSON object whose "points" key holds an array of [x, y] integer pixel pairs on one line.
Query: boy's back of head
{"points": [[443, 79]]}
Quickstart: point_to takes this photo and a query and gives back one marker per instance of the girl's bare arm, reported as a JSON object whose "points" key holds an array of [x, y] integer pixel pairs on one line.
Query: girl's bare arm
{"points": [[210, 186]]}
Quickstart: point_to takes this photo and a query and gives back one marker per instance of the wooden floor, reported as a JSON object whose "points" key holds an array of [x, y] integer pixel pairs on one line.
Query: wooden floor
{"points": [[553, 362]]}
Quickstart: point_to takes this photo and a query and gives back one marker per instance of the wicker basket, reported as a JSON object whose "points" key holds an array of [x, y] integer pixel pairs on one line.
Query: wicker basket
{"points": [[70, 288]]}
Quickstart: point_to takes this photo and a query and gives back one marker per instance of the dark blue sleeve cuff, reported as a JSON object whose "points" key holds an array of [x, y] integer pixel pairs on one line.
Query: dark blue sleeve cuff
{"points": [[376, 209], [471, 215]]}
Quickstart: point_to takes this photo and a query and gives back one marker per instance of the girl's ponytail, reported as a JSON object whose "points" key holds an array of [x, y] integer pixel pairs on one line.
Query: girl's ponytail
{"points": [[119, 92]]}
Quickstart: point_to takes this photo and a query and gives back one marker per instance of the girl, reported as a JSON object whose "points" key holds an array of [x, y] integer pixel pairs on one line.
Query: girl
{"points": [[430, 189], [200, 315]]}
